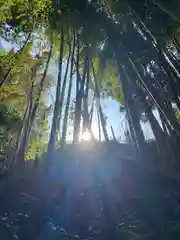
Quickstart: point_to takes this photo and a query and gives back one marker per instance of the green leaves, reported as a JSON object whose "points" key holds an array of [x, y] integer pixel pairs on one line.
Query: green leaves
{"points": [[25, 76], [22, 14], [6, 60]]}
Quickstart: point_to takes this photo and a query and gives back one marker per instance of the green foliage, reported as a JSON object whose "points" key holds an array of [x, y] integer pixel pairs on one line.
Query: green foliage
{"points": [[8, 117], [10, 122], [24, 13], [26, 74], [6, 60], [111, 81], [39, 136]]}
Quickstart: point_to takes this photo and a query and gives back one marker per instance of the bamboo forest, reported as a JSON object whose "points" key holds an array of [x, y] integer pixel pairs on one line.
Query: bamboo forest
{"points": [[89, 119]]}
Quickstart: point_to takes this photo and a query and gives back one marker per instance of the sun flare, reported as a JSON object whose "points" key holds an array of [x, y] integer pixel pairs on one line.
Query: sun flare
{"points": [[86, 136]]}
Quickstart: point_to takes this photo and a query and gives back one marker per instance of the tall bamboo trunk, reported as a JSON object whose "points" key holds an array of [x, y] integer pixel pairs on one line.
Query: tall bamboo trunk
{"points": [[52, 138], [113, 134], [98, 103], [103, 123], [152, 41], [167, 113], [99, 125], [159, 135], [22, 141], [163, 7], [173, 78], [89, 121], [86, 120], [39, 92], [176, 43], [124, 60], [118, 47], [141, 143], [133, 114], [77, 118], [65, 121], [131, 130], [157, 130], [23, 136], [63, 91], [164, 125], [66, 113]]}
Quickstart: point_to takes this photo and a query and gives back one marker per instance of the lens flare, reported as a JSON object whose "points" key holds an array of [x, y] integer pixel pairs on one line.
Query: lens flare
{"points": [[86, 136]]}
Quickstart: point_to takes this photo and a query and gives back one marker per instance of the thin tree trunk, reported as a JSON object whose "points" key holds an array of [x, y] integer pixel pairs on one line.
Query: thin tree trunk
{"points": [[157, 131], [6, 76], [163, 122], [163, 7], [153, 41], [80, 83], [22, 144], [118, 47], [23, 138], [103, 123], [140, 140], [99, 125], [136, 126], [125, 59], [78, 102], [113, 134], [168, 114], [131, 130], [65, 121], [63, 90], [52, 138], [40, 89], [86, 120], [98, 103], [21, 127], [176, 43], [90, 118], [172, 78]]}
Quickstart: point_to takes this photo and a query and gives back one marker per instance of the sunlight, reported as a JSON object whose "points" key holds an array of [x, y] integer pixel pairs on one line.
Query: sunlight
{"points": [[86, 136], [95, 130]]}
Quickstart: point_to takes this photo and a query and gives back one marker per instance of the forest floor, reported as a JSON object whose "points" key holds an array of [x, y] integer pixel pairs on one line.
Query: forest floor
{"points": [[129, 204]]}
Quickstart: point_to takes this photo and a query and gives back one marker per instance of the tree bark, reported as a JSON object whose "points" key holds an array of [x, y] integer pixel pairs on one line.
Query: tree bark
{"points": [[86, 120], [99, 125], [127, 89], [113, 134], [65, 121], [6, 76], [22, 139], [78, 103], [163, 7], [98, 103], [63, 91], [52, 138], [40, 89]]}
